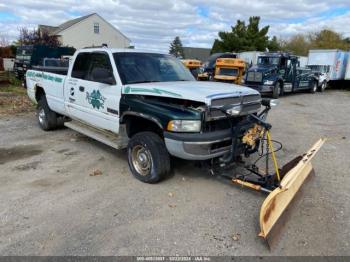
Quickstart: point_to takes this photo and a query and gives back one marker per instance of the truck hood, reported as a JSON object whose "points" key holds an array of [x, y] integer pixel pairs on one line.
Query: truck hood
{"points": [[189, 90]]}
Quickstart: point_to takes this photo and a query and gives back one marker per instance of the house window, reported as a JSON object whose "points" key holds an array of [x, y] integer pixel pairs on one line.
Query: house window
{"points": [[96, 28]]}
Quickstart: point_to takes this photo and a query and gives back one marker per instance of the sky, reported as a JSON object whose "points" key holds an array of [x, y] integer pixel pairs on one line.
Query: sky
{"points": [[154, 24]]}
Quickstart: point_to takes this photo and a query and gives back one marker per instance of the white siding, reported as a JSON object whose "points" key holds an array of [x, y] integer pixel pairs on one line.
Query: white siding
{"points": [[82, 34]]}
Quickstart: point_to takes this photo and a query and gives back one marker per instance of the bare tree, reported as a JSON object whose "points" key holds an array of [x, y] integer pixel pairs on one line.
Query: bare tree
{"points": [[34, 37], [4, 41]]}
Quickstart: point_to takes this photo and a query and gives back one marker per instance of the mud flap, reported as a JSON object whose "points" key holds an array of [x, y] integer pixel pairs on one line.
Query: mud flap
{"points": [[293, 175]]}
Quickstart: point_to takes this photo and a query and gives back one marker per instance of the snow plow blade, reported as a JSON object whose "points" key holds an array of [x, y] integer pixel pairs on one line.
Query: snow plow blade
{"points": [[293, 176]]}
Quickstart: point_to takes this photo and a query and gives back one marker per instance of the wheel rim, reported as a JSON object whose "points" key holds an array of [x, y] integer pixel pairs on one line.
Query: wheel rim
{"points": [[323, 86], [141, 160], [42, 116]]}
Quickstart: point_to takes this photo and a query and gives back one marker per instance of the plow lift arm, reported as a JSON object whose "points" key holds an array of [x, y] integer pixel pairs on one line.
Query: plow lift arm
{"points": [[283, 184]]}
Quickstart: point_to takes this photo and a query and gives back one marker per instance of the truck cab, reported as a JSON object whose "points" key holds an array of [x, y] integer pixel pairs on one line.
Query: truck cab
{"points": [[229, 70], [276, 74], [322, 72]]}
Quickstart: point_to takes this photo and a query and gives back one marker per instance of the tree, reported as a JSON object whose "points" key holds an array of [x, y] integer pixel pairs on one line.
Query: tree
{"points": [[4, 41], [176, 48], [34, 37], [328, 39], [274, 44], [298, 44], [243, 37]]}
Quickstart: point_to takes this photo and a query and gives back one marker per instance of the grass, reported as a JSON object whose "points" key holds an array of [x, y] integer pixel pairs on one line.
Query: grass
{"points": [[14, 99], [13, 89]]}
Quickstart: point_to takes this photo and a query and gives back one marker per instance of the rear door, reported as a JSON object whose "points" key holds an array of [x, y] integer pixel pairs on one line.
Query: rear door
{"points": [[89, 97]]}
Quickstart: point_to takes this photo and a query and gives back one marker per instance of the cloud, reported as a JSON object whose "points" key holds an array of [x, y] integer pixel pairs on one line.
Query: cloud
{"points": [[153, 24]]}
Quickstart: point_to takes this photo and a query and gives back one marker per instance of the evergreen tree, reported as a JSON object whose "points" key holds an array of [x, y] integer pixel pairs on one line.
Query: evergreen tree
{"points": [[176, 48], [243, 37]]}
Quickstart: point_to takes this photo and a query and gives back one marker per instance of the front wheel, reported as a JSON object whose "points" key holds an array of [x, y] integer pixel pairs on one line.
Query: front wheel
{"points": [[323, 86], [276, 92], [148, 158], [313, 87]]}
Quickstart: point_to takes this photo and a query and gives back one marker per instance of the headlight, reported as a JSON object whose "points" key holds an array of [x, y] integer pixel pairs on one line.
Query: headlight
{"points": [[184, 126], [268, 82], [234, 111]]}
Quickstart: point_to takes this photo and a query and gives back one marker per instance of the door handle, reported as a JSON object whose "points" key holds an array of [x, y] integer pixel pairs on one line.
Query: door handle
{"points": [[81, 88]]}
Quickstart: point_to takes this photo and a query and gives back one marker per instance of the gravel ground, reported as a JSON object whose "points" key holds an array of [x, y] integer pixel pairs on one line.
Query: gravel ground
{"points": [[65, 194]]}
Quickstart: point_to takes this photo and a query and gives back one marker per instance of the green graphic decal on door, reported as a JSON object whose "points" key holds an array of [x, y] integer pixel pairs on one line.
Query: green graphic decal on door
{"points": [[95, 99]]}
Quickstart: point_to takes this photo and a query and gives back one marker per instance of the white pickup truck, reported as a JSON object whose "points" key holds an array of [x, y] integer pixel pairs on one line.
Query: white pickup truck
{"points": [[150, 104]]}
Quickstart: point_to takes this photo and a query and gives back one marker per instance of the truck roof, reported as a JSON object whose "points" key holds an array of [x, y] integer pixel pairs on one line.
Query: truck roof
{"points": [[121, 50]]}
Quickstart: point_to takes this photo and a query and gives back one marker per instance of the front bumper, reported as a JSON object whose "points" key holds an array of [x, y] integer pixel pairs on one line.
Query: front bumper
{"points": [[261, 88], [198, 146]]}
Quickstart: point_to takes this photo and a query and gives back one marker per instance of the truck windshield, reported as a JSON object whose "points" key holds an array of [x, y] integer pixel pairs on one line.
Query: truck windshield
{"points": [[266, 60], [228, 71], [147, 67]]}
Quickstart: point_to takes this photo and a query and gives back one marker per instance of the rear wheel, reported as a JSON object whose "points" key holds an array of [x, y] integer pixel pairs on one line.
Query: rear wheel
{"points": [[47, 118], [148, 158], [276, 92]]}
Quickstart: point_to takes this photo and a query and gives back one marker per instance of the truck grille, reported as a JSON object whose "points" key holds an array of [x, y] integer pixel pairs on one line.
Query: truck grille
{"points": [[249, 103], [254, 77]]}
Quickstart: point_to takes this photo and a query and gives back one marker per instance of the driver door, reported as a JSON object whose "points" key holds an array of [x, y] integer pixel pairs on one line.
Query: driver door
{"points": [[93, 92]]}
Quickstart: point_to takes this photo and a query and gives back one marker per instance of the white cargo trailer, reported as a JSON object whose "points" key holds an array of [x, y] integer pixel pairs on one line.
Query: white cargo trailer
{"points": [[334, 58], [303, 61], [250, 57]]}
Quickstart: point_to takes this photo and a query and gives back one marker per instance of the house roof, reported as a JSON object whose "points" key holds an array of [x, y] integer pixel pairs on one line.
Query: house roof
{"points": [[55, 30], [69, 23], [47, 28]]}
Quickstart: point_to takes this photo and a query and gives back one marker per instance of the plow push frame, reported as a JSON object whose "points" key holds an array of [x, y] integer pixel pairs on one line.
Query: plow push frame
{"points": [[281, 185]]}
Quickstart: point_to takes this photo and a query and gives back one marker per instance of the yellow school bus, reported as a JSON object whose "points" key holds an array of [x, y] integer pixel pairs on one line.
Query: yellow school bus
{"points": [[229, 70], [193, 65]]}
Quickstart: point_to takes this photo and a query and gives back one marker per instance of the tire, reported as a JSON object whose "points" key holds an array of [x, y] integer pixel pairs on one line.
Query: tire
{"points": [[276, 92], [323, 86], [47, 118], [314, 87], [148, 158]]}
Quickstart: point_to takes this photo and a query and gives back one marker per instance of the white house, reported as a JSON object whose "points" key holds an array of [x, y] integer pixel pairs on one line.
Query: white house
{"points": [[87, 31]]}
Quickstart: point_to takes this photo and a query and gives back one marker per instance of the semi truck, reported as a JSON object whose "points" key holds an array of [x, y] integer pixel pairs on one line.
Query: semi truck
{"points": [[277, 73]]}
